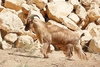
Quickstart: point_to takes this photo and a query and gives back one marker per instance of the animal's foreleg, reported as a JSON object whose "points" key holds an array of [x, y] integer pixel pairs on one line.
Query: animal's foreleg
{"points": [[45, 49]]}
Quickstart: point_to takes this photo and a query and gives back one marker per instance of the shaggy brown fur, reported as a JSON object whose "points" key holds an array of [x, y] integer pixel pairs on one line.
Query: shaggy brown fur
{"points": [[63, 39]]}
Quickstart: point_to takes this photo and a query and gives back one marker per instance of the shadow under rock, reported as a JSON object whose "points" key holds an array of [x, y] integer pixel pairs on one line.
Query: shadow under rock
{"points": [[24, 55]]}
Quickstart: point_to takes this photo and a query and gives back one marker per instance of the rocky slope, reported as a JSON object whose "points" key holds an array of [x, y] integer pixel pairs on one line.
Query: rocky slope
{"points": [[80, 16]]}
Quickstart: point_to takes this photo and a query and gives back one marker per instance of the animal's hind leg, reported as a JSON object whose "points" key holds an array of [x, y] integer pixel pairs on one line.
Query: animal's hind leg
{"points": [[80, 52], [68, 50], [45, 49]]}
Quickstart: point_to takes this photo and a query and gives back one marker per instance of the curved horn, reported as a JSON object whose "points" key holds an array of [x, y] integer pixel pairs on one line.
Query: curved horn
{"points": [[33, 15]]}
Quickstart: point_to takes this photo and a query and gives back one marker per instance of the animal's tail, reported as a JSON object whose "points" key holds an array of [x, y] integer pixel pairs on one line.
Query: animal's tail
{"points": [[81, 54]]}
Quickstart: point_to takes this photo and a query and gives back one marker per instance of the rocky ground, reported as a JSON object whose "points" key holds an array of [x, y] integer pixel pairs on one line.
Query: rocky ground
{"points": [[11, 58]]}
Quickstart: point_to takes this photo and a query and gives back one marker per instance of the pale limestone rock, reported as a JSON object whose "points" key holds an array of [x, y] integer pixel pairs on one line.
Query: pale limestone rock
{"points": [[94, 12], [25, 8], [29, 2], [86, 2], [6, 45], [52, 47], [52, 22], [86, 38], [11, 37], [74, 17], [1, 7], [14, 4], [55, 0], [98, 21], [23, 17], [40, 3], [24, 40], [39, 45], [69, 23], [56, 10], [81, 12], [74, 2], [9, 20], [93, 29], [97, 2], [90, 26], [94, 45], [94, 32], [31, 12]]}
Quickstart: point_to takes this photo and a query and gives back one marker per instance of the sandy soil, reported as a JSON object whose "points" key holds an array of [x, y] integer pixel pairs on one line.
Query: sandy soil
{"points": [[11, 58]]}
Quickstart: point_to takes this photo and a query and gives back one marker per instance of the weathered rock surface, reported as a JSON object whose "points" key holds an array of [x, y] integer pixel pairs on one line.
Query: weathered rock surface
{"points": [[94, 12], [94, 45], [69, 23], [13, 4], [11, 37], [40, 3], [86, 38], [6, 45], [9, 20], [74, 17], [93, 29], [55, 10], [24, 40]]}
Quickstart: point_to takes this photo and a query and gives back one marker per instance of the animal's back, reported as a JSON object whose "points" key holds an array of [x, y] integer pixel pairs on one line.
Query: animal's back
{"points": [[63, 36]]}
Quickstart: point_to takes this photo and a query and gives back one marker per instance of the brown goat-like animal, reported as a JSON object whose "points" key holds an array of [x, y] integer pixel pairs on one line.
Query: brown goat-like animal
{"points": [[63, 39]]}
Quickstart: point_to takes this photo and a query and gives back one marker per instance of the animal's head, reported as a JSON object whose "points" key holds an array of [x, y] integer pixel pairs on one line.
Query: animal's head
{"points": [[30, 20]]}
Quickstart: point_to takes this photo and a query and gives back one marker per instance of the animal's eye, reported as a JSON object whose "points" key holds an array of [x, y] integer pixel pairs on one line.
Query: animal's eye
{"points": [[29, 20]]}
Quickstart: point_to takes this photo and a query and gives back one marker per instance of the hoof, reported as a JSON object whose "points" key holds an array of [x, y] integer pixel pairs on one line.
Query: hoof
{"points": [[46, 56]]}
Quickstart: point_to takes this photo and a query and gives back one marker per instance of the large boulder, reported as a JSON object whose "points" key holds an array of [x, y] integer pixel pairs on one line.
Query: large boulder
{"points": [[93, 29], [26, 8], [93, 12], [74, 17], [11, 37], [56, 10], [24, 40], [9, 20], [97, 2], [6, 45], [55, 0], [81, 12], [29, 2], [86, 38], [40, 3], [51, 22], [69, 23], [94, 45], [14, 4], [74, 2], [86, 2], [35, 12]]}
